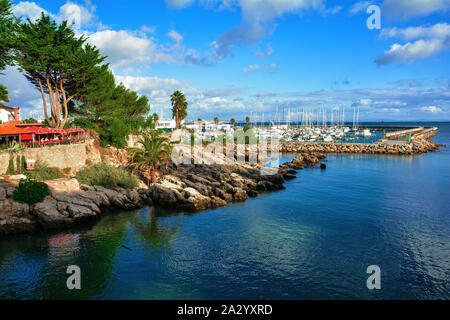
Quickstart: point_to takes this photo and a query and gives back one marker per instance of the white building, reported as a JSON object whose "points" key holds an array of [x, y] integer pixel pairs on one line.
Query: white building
{"points": [[166, 124], [8, 114]]}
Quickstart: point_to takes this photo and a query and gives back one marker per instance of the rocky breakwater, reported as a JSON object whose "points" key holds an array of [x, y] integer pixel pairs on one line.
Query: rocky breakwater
{"points": [[69, 204], [201, 187], [417, 146], [304, 160]]}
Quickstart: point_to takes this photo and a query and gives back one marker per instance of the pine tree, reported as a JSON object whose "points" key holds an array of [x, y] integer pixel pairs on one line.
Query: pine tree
{"points": [[56, 62]]}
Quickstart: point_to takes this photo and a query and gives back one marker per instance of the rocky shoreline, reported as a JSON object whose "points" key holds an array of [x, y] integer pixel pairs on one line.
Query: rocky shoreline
{"points": [[191, 188]]}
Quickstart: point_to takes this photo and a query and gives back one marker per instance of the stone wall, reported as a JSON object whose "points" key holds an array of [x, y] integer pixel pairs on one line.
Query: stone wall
{"points": [[72, 156]]}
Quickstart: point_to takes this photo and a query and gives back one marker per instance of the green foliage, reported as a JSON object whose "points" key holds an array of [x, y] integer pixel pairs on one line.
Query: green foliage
{"points": [[155, 150], [247, 119], [18, 167], [11, 169], [8, 26], [115, 111], [4, 93], [249, 135], [233, 121], [179, 107], [31, 192], [107, 176], [43, 172], [216, 120], [114, 132], [56, 62], [23, 164], [83, 123], [29, 120]]}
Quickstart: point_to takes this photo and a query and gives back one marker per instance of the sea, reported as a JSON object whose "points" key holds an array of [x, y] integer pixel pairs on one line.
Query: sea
{"points": [[317, 239]]}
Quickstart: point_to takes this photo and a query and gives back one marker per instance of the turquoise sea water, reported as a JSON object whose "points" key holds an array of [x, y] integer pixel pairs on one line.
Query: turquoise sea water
{"points": [[313, 240]]}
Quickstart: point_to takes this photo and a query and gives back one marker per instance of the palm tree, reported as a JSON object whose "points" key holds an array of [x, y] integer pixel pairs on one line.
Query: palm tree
{"points": [[233, 121], [216, 120], [199, 119], [155, 150], [179, 107], [247, 119]]}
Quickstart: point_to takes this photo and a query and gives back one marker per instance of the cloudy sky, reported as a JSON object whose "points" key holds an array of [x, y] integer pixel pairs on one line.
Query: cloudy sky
{"points": [[233, 57]]}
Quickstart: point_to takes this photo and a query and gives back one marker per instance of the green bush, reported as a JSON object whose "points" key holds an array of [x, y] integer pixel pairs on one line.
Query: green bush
{"points": [[23, 164], [83, 123], [18, 167], [107, 176], [43, 172], [114, 132], [11, 169], [31, 192]]}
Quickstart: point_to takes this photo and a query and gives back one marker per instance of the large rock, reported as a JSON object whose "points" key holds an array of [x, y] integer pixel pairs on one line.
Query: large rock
{"points": [[48, 216]]}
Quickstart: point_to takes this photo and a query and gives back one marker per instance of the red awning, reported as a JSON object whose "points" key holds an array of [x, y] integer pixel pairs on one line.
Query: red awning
{"points": [[55, 131], [26, 137]]}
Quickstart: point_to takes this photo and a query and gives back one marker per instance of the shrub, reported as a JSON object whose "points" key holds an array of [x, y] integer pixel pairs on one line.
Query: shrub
{"points": [[11, 170], [107, 176], [114, 132], [23, 164], [83, 123], [31, 192], [18, 167], [43, 172]]}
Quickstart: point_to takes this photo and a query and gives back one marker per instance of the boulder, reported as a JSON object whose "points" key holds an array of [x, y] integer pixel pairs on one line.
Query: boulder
{"points": [[48, 216]]}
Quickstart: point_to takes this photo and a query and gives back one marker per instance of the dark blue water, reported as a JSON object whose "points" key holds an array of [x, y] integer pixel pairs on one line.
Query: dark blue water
{"points": [[313, 240]]}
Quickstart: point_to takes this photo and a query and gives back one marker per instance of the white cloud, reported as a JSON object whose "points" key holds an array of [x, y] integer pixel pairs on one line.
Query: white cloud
{"points": [[365, 102], [251, 68], [360, 7], [258, 19], [406, 9], [432, 109], [82, 16], [175, 36], [201, 101], [75, 13], [432, 40], [266, 53], [411, 51], [437, 31], [28, 9], [123, 48], [179, 3], [147, 29], [254, 67]]}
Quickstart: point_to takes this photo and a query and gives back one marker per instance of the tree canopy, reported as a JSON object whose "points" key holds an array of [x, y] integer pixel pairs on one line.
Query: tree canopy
{"points": [[7, 39], [57, 62]]}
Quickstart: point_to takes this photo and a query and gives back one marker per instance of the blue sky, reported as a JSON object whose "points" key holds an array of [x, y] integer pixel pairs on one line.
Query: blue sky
{"points": [[233, 57]]}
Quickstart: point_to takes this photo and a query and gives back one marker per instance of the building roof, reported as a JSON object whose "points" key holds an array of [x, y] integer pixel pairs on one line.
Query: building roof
{"points": [[6, 107], [11, 131]]}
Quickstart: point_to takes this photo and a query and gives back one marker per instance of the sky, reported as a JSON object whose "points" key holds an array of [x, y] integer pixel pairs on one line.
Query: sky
{"points": [[233, 58]]}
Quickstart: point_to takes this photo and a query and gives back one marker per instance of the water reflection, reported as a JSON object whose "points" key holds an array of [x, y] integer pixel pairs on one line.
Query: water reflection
{"points": [[150, 233]]}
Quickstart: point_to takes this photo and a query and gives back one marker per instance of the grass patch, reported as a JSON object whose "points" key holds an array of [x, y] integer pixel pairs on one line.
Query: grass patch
{"points": [[42, 172], [31, 192], [107, 176]]}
